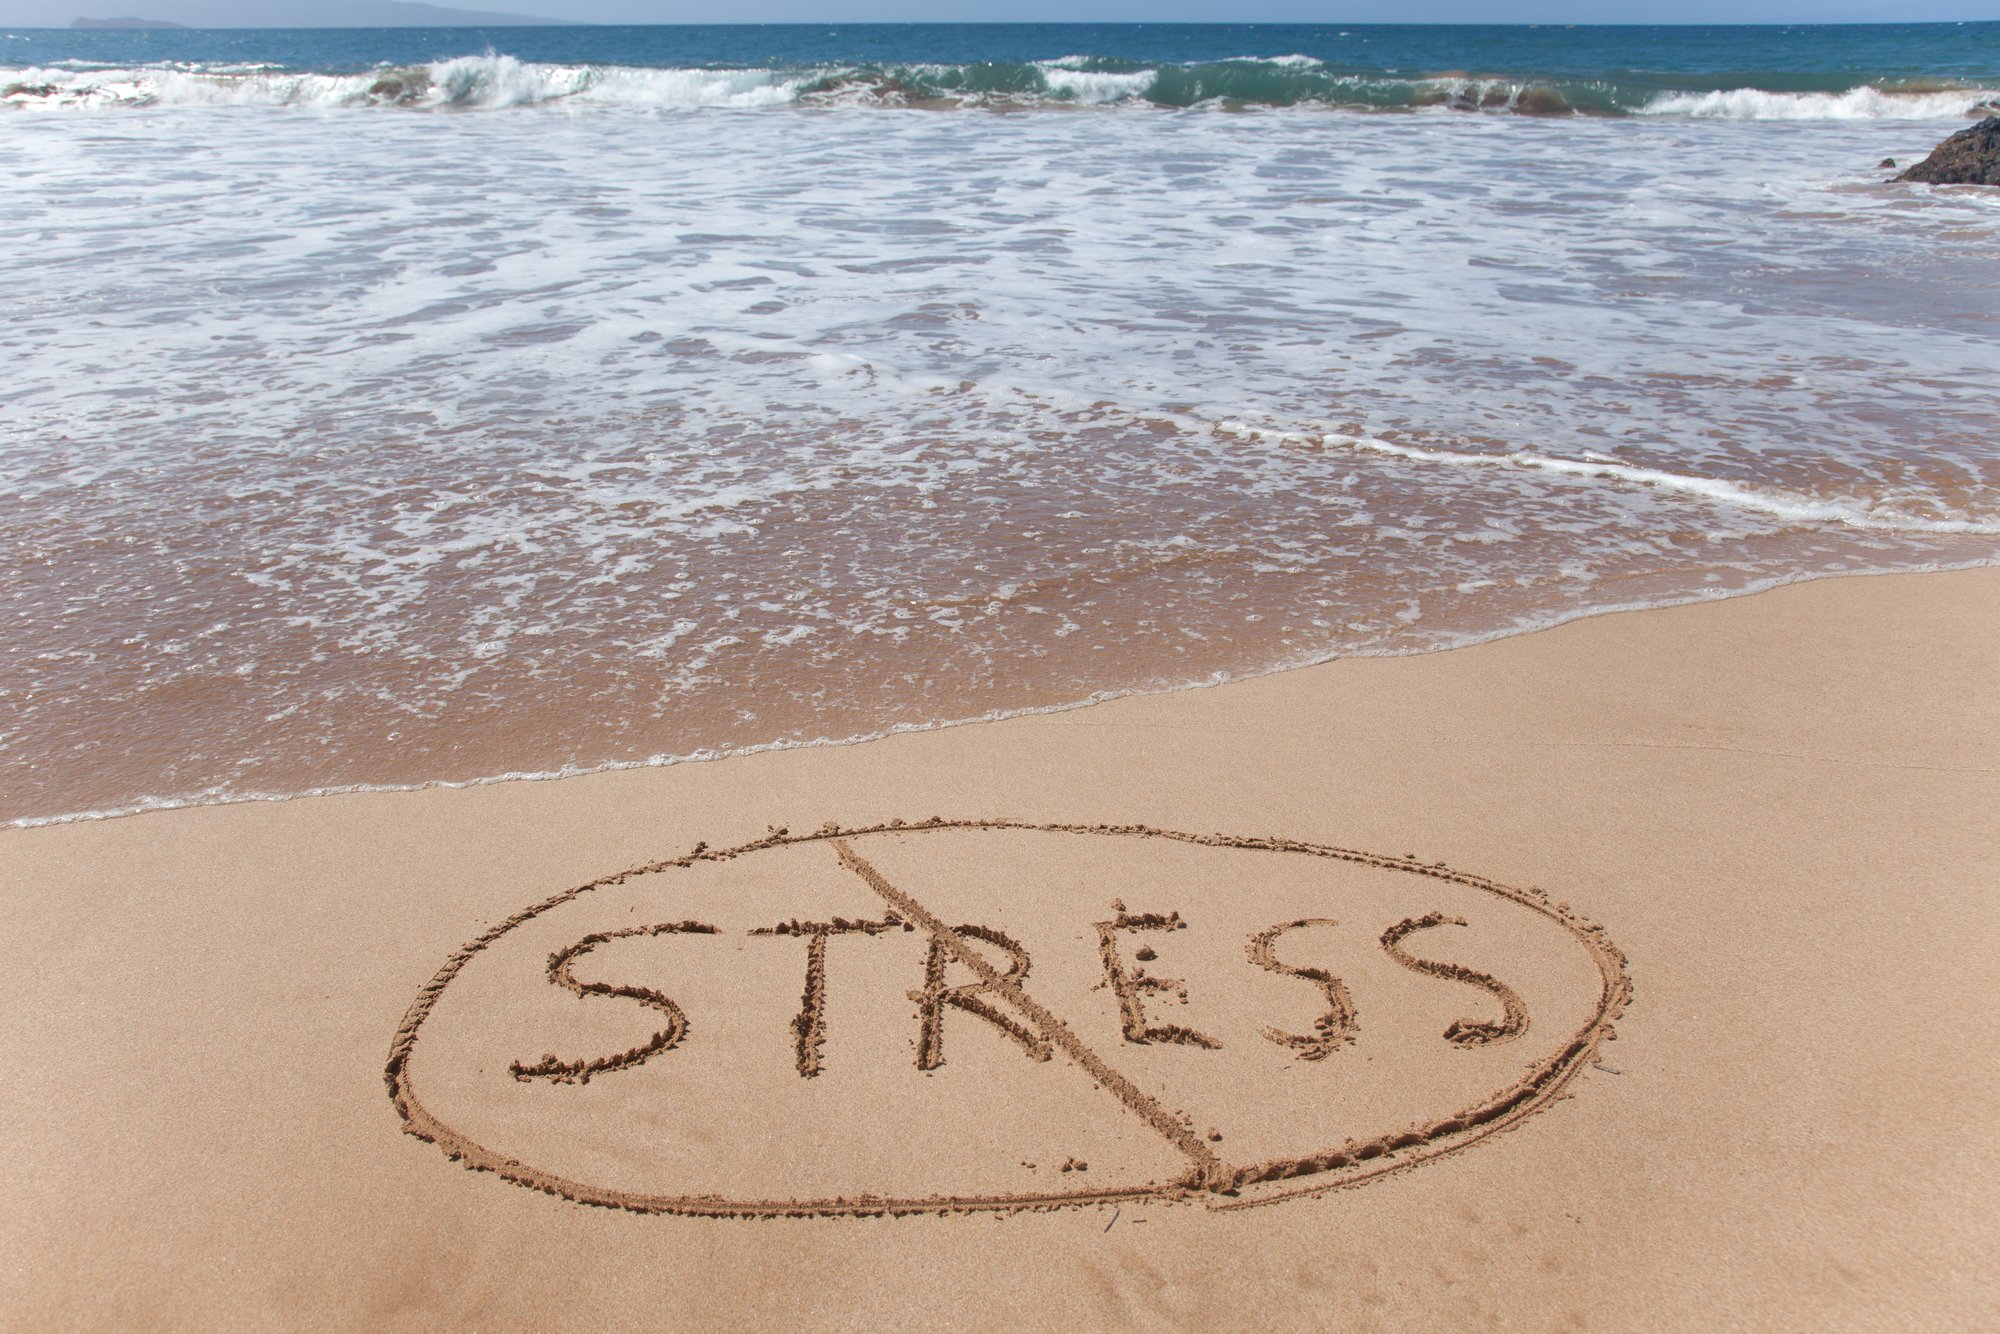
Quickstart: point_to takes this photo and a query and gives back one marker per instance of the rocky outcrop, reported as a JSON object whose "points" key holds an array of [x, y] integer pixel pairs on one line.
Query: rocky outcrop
{"points": [[1970, 157]]}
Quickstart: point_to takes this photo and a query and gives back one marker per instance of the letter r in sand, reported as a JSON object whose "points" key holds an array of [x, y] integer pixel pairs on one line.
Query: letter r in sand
{"points": [[935, 996]]}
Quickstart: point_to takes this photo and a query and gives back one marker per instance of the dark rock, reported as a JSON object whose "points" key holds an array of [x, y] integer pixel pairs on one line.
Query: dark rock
{"points": [[1970, 157], [1886, 164], [402, 87], [1538, 100]]}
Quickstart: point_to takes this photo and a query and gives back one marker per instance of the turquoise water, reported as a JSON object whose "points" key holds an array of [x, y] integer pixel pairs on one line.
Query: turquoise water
{"points": [[1602, 70]]}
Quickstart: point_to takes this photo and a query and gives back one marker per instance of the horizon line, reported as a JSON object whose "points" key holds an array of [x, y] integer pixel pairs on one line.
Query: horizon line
{"points": [[988, 23]]}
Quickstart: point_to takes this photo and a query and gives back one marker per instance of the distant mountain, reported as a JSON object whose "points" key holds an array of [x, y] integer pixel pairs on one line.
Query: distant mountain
{"points": [[150, 25], [321, 14]]}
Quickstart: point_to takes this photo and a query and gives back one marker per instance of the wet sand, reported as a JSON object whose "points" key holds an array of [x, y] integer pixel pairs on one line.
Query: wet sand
{"points": [[1299, 999]]}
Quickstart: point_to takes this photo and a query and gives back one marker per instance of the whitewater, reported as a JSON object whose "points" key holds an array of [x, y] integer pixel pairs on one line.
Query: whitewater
{"points": [[388, 412], [492, 81]]}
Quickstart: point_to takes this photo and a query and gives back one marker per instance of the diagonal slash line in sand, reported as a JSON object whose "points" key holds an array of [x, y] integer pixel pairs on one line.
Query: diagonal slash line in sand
{"points": [[1207, 1171]]}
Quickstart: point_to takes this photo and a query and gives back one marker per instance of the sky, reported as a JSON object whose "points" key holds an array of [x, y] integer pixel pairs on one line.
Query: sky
{"points": [[278, 13]]}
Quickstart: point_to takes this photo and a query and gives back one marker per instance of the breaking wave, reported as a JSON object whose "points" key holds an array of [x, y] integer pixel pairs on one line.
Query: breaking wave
{"points": [[493, 82], [1863, 103]]}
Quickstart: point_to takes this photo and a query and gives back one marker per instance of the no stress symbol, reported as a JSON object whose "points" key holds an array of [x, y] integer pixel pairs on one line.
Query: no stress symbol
{"points": [[1273, 1019]]}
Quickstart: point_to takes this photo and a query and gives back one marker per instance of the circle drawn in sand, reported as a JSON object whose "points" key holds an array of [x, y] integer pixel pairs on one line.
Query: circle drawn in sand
{"points": [[978, 1030]]}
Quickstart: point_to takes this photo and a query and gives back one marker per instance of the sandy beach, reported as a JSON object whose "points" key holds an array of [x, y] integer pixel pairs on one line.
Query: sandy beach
{"points": [[849, 675], [1358, 1048]]}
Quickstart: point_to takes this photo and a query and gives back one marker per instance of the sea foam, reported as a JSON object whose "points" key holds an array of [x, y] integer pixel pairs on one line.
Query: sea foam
{"points": [[1864, 103], [368, 448], [501, 82]]}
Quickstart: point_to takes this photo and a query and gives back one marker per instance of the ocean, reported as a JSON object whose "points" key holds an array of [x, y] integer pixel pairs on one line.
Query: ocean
{"points": [[384, 408]]}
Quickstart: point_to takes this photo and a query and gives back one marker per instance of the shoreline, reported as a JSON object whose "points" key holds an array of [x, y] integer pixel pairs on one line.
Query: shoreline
{"points": [[149, 806], [1773, 811]]}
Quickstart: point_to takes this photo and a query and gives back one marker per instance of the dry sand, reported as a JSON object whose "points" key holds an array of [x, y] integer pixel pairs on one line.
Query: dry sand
{"points": [[1288, 1001]]}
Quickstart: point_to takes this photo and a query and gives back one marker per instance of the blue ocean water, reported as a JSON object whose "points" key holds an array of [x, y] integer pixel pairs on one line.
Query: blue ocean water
{"points": [[395, 407], [1607, 70]]}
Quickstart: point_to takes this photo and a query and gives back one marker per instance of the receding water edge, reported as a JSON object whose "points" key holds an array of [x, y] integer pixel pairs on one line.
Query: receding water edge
{"points": [[1470, 639]]}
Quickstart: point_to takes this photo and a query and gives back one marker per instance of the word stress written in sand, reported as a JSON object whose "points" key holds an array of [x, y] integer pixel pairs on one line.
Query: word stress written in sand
{"points": [[960, 1015]]}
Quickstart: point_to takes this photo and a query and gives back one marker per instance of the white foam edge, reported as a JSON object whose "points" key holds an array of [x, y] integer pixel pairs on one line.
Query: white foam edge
{"points": [[1866, 102], [1792, 508]]}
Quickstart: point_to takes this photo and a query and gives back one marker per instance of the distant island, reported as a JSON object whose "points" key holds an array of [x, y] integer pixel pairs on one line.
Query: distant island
{"points": [[319, 14], [150, 25]]}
